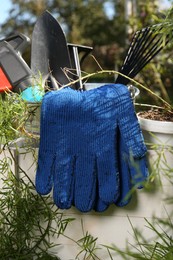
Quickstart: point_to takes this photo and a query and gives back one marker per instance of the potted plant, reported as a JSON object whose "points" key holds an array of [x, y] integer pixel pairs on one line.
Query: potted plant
{"points": [[156, 118], [158, 135], [156, 121], [28, 221]]}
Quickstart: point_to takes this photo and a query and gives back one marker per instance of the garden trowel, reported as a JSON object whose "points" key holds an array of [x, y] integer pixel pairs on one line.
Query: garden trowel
{"points": [[52, 58], [49, 52]]}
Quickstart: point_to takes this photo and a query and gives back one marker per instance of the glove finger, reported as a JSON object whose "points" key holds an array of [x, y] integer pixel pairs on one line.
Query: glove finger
{"points": [[125, 181], [131, 175], [124, 170], [63, 181], [100, 205], [44, 174], [85, 183], [108, 177], [139, 171]]}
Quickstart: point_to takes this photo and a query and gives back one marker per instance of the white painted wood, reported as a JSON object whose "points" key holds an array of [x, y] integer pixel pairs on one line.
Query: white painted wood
{"points": [[112, 226]]}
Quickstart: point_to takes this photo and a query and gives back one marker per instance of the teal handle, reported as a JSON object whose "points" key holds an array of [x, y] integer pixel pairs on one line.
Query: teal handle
{"points": [[32, 94]]}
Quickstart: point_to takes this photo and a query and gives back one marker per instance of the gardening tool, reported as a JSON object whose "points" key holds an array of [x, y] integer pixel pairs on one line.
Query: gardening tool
{"points": [[52, 58], [145, 45], [14, 72], [18, 42], [74, 51], [49, 52], [80, 49]]}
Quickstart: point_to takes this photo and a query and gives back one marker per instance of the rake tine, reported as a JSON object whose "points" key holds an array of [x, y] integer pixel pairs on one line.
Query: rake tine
{"points": [[138, 44], [131, 48], [150, 53], [135, 70], [150, 47], [149, 58], [135, 43], [145, 45]]}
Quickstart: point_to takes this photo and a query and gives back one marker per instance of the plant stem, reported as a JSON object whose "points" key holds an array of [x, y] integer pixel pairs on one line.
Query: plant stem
{"points": [[113, 72]]}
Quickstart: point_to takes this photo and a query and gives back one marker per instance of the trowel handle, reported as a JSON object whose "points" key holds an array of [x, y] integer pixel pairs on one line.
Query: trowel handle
{"points": [[80, 48], [74, 51], [19, 42]]}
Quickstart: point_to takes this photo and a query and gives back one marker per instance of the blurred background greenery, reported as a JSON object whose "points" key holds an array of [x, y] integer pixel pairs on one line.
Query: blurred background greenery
{"points": [[107, 26]]}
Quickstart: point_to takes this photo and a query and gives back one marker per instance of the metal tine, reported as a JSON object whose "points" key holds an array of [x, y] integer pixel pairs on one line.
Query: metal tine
{"points": [[143, 51], [131, 48], [136, 69], [146, 61], [136, 41], [132, 62], [144, 43], [149, 54], [146, 48]]}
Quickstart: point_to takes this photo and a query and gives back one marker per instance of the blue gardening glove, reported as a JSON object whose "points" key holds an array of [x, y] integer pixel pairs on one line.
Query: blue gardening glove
{"points": [[78, 146], [133, 172], [77, 153]]}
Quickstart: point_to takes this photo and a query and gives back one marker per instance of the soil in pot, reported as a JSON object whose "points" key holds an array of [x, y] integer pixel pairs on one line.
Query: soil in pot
{"points": [[157, 114]]}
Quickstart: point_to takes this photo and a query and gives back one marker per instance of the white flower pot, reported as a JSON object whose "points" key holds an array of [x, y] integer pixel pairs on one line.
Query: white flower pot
{"points": [[158, 136], [157, 132]]}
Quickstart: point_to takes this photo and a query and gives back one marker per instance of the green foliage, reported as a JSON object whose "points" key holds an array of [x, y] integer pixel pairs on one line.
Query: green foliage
{"points": [[88, 245], [23, 212], [160, 245], [157, 75], [27, 220], [13, 113], [158, 248], [85, 22]]}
